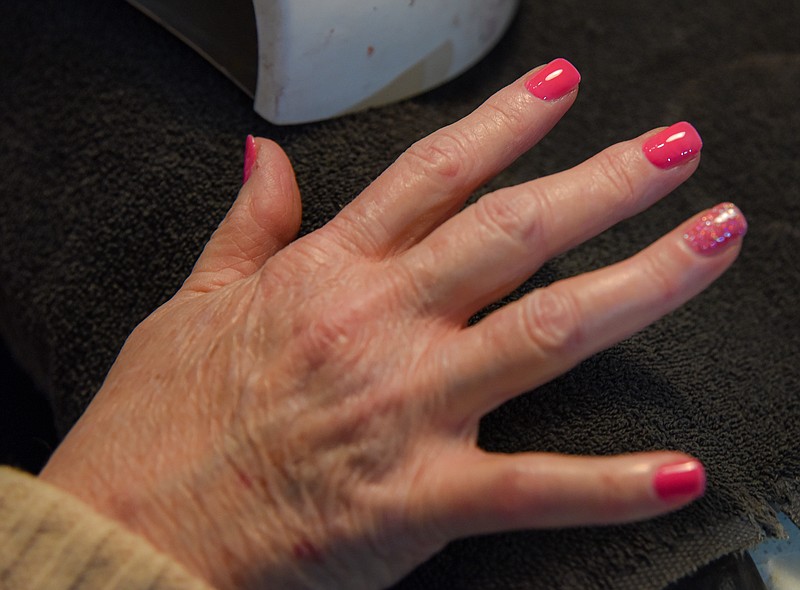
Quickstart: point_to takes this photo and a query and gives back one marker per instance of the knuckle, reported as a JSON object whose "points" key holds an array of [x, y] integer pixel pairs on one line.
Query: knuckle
{"points": [[539, 215], [612, 490], [442, 155], [420, 275], [329, 331], [517, 490], [337, 328], [496, 213], [333, 336], [520, 214], [552, 321], [525, 496], [658, 271], [613, 497], [615, 171]]}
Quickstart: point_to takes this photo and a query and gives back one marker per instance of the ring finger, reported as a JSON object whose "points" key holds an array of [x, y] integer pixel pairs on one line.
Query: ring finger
{"points": [[547, 332]]}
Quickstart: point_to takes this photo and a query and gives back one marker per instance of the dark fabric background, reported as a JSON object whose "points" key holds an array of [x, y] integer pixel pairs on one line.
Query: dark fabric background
{"points": [[120, 151]]}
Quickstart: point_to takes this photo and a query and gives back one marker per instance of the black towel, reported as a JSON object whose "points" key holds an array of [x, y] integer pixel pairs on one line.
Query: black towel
{"points": [[121, 149]]}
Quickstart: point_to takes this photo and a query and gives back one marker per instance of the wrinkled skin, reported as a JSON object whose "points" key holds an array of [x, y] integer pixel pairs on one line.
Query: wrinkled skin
{"points": [[304, 414]]}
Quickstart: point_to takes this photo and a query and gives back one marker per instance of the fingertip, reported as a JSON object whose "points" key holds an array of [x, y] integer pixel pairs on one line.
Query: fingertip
{"points": [[679, 482], [250, 157], [261, 153], [264, 218], [672, 146], [554, 80], [272, 194], [716, 230]]}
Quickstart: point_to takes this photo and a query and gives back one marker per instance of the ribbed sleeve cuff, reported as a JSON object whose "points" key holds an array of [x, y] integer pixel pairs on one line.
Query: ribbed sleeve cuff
{"points": [[51, 540]]}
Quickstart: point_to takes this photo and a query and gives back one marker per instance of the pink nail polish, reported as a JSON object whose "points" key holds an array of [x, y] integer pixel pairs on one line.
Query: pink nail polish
{"points": [[716, 228], [673, 146], [249, 157], [556, 79], [685, 479]]}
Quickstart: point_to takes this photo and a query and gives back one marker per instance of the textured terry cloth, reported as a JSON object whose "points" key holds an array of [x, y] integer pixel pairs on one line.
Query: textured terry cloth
{"points": [[122, 149], [51, 541]]}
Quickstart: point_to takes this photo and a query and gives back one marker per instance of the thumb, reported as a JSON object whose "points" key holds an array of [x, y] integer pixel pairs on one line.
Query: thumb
{"points": [[264, 218]]}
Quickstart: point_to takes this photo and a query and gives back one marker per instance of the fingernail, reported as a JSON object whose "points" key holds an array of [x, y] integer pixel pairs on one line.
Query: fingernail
{"points": [[685, 479], [556, 79], [249, 157], [673, 146], [716, 228]]}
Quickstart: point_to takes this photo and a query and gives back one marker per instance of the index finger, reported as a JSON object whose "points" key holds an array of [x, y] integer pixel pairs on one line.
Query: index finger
{"points": [[436, 175]]}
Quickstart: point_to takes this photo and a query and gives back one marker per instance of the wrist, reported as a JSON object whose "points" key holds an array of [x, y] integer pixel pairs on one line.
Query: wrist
{"points": [[197, 510]]}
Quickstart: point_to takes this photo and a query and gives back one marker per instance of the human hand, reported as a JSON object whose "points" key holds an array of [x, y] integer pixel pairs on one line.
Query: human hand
{"points": [[305, 415]]}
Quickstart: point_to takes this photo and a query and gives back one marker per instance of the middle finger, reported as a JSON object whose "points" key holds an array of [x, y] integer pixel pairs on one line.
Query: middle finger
{"points": [[495, 244]]}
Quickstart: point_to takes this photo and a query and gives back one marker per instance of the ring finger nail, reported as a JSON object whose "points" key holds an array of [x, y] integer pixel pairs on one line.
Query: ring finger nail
{"points": [[673, 146], [716, 228], [556, 79]]}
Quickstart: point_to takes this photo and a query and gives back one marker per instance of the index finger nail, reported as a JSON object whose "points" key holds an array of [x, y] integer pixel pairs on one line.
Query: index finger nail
{"points": [[555, 80]]}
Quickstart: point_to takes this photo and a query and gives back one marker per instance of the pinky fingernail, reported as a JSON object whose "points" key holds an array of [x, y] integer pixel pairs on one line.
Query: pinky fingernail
{"points": [[716, 228], [249, 157], [685, 479]]}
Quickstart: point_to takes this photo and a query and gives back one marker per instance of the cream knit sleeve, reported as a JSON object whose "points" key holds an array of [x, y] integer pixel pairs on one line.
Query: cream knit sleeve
{"points": [[50, 540]]}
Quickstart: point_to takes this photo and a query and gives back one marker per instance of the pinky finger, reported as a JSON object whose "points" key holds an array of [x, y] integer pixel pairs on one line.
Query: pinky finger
{"points": [[509, 492]]}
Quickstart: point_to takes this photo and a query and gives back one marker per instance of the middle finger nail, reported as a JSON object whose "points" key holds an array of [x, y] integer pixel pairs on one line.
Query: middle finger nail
{"points": [[673, 146]]}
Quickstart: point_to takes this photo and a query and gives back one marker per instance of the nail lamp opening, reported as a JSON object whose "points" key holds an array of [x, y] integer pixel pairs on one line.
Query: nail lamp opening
{"points": [[308, 60]]}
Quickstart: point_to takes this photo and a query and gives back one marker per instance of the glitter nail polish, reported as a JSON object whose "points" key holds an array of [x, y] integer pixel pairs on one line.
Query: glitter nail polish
{"points": [[553, 81], [685, 479], [673, 146], [249, 157], [715, 228]]}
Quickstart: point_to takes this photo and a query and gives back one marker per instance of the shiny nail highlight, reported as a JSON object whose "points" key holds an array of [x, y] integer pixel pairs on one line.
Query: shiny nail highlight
{"points": [[553, 81], [685, 479], [716, 228], [673, 146], [250, 153]]}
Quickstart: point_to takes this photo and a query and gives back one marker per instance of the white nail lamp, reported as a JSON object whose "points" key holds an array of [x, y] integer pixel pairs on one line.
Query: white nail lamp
{"points": [[306, 60]]}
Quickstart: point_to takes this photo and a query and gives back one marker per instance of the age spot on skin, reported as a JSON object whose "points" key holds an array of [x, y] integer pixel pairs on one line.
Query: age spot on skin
{"points": [[244, 479], [306, 551]]}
